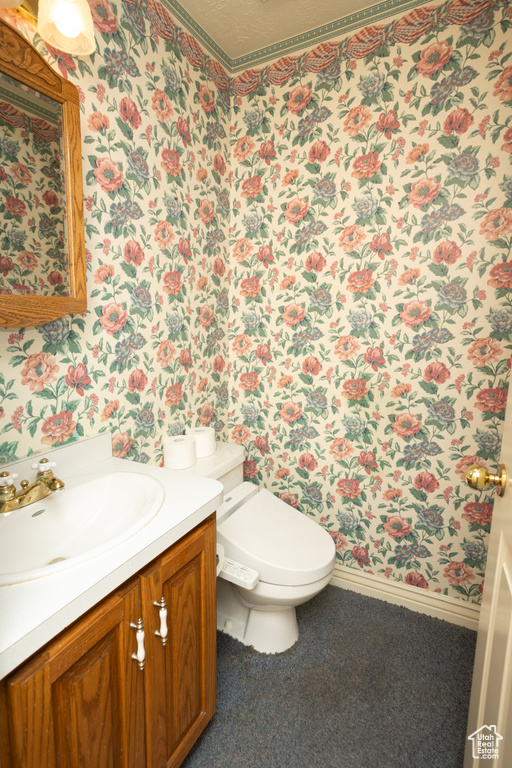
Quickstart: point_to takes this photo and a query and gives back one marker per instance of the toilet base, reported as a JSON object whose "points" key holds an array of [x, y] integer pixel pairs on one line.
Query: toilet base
{"points": [[264, 629]]}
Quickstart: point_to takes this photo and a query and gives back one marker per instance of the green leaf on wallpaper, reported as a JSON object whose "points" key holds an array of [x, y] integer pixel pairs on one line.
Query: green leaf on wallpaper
{"points": [[125, 129]]}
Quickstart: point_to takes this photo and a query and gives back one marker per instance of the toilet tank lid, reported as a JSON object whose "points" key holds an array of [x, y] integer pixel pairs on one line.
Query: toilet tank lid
{"points": [[278, 541], [227, 456]]}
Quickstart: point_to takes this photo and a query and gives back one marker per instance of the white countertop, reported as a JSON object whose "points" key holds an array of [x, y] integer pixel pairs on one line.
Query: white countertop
{"points": [[33, 612]]}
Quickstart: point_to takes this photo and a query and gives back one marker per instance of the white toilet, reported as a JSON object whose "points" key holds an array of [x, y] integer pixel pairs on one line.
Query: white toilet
{"points": [[282, 556]]}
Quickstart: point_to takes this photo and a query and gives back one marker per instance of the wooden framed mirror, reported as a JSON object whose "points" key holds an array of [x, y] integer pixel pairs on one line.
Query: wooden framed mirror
{"points": [[42, 243]]}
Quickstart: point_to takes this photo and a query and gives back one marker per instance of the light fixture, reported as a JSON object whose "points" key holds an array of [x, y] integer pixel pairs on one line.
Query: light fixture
{"points": [[66, 25]]}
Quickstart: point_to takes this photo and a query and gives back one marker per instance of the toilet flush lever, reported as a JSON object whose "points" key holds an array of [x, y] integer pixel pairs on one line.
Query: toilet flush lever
{"points": [[162, 613]]}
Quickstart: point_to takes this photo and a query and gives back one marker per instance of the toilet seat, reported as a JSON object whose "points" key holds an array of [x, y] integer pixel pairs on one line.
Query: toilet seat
{"points": [[282, 544]]}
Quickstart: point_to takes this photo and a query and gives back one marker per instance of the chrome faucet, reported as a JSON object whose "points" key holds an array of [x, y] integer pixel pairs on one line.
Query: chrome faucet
{"points": [[44, 484]]}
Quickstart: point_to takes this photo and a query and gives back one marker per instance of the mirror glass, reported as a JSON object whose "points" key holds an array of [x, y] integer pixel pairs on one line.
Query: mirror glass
{"points": [[33, 224]]}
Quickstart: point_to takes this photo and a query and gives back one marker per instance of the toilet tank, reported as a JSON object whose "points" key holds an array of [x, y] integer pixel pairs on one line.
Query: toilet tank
{"points": [[225, 465]]}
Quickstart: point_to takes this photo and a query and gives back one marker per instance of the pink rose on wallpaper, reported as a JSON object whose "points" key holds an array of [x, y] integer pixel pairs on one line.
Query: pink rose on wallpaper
{"points": [[243, 148], [415, 313], [507, 138], [171, 162], [433, 58], [289, 498], [185, 359], [250, 286], [183, 129], [501, 275], [206, 316], [103, 16], [121, 444], [108, 174], [296, 210], [426, 481], [39, 370], [361, 281], [355, 389], [290, 412], [458, 121], [351, 237], [311, 365], [97, 122], [129, 112], [406, 424], [478, 513], [163, 234], [346, 347], [293, 314], [491, 400], [250, 469], [20, 172], [299, 97], [437, 372], [503, 85], [397, 527], [252, 187], [137, 381], [458, 573], [367, 461], [261, 444], [114, 317], [267, 151], [319, 152], [55, 278], [206, 211], [308, 462], [349, 488], [162, 106], [357, 120], [15, 206], [206, 414], [133, 253], [496, 223], [484, 351], [424, 192], [417, 153], [50, 198], [77, 378], [242, 249], [241, 344], [165, 353], [249, 381], [263, 353], [381, 245], [103, 273], [446, 252], [174, 395], [341, 448], [360, 555], [416, 580], [206, 98], [315, 262], [388, 123], [6, 265], [172, 283], [58, 428], [240, 434], [109, 410], [366, 166], [392, 494]]}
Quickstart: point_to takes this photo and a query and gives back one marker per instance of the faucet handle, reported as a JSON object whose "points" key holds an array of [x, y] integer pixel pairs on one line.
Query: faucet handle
{"points": [[44, 465], [7, 479]]}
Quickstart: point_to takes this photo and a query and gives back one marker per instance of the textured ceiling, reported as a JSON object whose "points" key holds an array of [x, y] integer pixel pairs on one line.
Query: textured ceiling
{"points": [[240, 27]]}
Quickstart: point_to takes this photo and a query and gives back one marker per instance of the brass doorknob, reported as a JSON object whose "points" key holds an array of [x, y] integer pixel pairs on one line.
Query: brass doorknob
{"points": [[478, 477]]}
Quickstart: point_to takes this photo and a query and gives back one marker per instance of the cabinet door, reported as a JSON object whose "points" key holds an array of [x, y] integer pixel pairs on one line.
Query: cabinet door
{"points": [[80, 703], [181, 674]]}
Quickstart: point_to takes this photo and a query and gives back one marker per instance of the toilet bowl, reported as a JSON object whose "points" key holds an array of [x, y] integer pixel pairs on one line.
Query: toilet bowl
{"points": [[284, 556]]}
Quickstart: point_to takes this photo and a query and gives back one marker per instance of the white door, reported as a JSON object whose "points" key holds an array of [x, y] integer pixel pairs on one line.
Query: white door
{"points": [[492, 676]]}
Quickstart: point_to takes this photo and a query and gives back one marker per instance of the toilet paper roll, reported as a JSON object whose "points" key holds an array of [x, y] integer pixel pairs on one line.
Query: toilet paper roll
{"points": [[179, 452], [220, 557], [205, 440]]}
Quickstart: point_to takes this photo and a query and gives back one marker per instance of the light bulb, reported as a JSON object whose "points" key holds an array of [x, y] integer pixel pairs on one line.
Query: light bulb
{"points": [[66, 30]]}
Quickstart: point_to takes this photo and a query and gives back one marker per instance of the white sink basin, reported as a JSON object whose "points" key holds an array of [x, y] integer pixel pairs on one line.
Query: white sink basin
{"points": [[89, 516]]}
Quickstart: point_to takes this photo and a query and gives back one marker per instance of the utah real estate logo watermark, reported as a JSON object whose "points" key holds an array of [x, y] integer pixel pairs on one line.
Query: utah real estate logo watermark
{"points": [[486, 743]]}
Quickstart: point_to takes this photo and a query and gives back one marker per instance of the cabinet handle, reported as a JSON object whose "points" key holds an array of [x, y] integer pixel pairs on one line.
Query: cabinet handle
{"points": [[162, 612], [140, 656]]}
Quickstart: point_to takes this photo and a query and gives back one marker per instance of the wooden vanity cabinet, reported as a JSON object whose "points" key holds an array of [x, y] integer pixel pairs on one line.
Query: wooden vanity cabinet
{"points": [[83, 701]]}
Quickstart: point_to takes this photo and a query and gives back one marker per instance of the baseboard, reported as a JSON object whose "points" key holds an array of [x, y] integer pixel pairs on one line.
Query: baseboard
{"points": [[416, 599]]}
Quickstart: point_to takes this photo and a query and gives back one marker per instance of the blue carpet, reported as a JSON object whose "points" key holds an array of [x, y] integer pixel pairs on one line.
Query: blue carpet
{"points": [[367, 685]]}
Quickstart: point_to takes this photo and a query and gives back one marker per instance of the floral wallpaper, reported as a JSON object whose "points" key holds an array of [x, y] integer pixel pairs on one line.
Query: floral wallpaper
{"points": [[32, 205], [321, 270]]}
